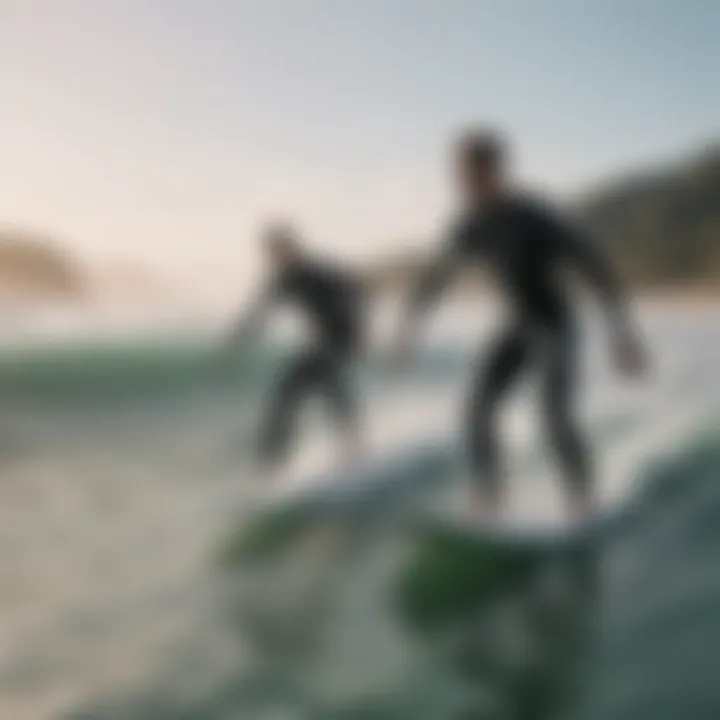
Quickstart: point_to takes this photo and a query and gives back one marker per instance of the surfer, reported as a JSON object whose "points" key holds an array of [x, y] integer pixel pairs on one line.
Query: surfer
{"points": [[332, 299], [526, 246]]}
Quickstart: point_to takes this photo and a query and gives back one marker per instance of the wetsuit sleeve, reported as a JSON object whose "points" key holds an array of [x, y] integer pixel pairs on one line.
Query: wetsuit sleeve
{"points": [[252, 318], [438, 275], [361, 296], [584, 254], [357, 291], [356, 298]]}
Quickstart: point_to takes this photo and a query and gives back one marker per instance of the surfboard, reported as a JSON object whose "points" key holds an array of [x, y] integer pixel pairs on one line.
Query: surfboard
{"points": [[512, 536], [458, 566], [393, 483]]}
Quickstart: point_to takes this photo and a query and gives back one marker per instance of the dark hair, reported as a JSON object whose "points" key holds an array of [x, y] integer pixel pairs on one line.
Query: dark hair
{"points": [[482, 149]]}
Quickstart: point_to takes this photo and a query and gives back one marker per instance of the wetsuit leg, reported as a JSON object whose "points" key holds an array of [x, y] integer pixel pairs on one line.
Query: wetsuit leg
{"points": [[299, 379], [336, 385], [559, 391], [507, 358]]}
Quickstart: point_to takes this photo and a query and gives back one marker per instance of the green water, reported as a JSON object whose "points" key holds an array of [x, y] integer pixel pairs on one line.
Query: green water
{"points": [[130, 589], [474, 639]]}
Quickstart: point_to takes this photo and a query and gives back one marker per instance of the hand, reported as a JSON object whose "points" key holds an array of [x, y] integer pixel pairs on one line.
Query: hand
{"points": [[629, 355]]}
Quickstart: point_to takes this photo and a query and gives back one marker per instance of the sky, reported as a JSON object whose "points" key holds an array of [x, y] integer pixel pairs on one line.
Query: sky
{"points": [[166, 131]]}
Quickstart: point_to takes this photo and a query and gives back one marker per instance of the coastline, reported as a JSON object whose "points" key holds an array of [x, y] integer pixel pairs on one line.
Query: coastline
{"points": [[697, 297]]}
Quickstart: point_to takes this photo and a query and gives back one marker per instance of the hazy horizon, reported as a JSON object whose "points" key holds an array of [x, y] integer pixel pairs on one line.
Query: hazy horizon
{"points": [[163, 133]]}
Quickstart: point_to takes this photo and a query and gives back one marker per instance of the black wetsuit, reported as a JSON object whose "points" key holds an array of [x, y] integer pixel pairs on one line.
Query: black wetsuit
{"points": [[332, 300], [526, 248]]}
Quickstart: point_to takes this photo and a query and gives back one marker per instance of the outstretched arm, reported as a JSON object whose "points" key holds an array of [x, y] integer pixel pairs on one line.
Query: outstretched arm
{"points": [[432, 284], [250, 321], [425, 293], [595, 266]]}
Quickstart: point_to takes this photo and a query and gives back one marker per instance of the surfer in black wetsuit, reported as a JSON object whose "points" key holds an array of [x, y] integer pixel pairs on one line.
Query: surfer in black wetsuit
{"points": [[332, 299], [526, 247]]}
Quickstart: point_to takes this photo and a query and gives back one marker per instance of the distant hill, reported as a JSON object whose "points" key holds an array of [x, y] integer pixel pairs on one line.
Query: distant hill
{"points": [[34, 267], [662, 227], [127, 282]]}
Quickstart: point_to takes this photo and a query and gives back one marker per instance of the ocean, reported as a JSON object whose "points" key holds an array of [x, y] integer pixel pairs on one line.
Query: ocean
{"points": [[127, 473]]}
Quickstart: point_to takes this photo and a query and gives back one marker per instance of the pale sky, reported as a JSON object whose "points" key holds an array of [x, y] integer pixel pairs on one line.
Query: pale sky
{"points": [[166, 130]]}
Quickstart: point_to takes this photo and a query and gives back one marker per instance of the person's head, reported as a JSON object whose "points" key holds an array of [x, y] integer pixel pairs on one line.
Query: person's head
{"points": [[282, 244], [480, 160]]}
